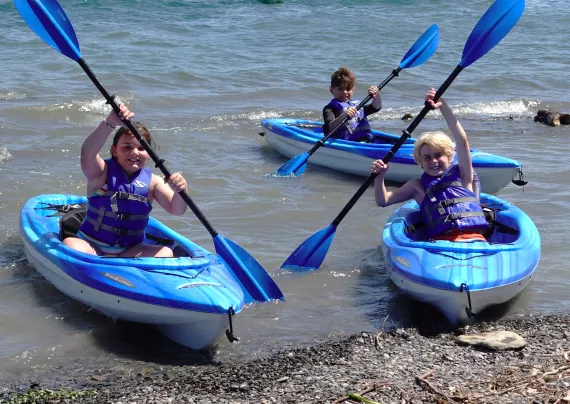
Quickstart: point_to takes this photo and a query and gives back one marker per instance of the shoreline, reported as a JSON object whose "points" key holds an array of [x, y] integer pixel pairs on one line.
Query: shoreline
{"points": [[413, 365]]}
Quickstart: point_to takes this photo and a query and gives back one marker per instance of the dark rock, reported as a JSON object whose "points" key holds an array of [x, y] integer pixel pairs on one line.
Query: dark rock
{"points": [[564, 119], [547, 117]]}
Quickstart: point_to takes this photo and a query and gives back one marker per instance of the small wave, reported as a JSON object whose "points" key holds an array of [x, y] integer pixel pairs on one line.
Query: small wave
{"points": [[11, 251], [493, 109], [246, 116], [4, 154], [98, 105], [11, 96], [497, 108]]}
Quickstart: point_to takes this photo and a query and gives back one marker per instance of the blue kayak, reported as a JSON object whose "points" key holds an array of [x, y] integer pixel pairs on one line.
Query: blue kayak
{"points": [[462, 278], [189, 298], [292, 137]]}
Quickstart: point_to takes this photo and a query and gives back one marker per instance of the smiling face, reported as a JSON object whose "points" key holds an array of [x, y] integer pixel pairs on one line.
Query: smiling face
{"points": [[129, 153], [434, 161], [342, 93], [433, 151], [342, 84]]}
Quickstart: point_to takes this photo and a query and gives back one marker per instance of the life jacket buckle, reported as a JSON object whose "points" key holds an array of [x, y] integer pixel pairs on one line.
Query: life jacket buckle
{"points": [[122, 216], [452, 216], [120, 231], [122, 195]]}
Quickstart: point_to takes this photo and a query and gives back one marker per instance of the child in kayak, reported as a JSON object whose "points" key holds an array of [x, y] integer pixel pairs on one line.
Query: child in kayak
{"points": [[121, 191], [447, 192], [356, 129]]}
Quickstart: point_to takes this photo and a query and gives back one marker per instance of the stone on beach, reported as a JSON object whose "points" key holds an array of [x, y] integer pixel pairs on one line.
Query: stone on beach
{"points": [[495, 340]]}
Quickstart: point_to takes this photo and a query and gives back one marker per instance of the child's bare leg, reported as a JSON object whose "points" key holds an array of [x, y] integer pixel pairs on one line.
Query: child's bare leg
{"points": [[80, 245]]}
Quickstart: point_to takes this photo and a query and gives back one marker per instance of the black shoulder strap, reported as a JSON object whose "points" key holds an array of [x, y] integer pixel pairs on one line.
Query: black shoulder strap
{"points": [[491, 216]]}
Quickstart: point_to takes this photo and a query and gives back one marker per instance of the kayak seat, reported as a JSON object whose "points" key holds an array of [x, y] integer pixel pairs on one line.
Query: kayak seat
{"points": [[71, 221], [497, 233]]}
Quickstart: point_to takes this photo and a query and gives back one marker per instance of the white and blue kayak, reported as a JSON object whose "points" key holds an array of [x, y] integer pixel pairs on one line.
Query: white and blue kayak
{"points": [[190, 298], [462, 278], [292, 137]]}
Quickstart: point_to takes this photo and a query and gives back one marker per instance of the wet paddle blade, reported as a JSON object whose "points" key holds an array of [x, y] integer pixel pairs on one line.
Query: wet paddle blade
{"points": [[422, 49], [495, 24], [48, 20], [310, 255], [294, 166], [256, 283]]}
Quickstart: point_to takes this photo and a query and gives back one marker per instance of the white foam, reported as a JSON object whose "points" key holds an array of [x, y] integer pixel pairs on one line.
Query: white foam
{"points": [[514, 107], [4, 154]]}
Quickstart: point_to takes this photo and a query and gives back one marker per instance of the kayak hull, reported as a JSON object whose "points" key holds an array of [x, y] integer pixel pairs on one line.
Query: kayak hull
{"points": [[461, 278], [292, 137], [187, 298]]}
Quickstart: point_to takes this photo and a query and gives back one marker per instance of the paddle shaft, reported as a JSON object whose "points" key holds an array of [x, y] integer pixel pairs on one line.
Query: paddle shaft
{"points": [[159, 163], [322, 141], [406, 134]]}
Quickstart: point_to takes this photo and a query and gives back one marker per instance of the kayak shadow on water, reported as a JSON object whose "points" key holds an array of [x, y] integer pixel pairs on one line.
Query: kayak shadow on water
{"points": [[274, 159], [141, 342], [388, 308], [135, 341], [132, 341]]}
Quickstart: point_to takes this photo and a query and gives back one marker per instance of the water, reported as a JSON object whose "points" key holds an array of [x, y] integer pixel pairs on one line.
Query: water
{"points": [[201, 76]]}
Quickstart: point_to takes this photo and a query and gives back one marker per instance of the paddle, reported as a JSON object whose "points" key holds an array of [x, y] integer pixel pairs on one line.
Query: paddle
{"points": [[48, 20], [420, 51], [495, 24]]}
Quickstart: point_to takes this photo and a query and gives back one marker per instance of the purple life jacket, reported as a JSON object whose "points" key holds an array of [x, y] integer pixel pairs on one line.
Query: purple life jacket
{"points": [[449, 206], [354, 129], [118, 213]]}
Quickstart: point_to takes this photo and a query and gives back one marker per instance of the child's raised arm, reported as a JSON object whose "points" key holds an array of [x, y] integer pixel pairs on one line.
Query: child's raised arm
{"points": [[92, 164], [461, 144]]}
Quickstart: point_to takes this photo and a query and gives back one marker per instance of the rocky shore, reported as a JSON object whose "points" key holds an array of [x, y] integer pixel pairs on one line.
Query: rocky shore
{"points": [[401, 366]]}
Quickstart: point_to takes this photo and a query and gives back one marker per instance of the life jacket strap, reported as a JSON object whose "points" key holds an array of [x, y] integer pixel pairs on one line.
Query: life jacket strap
{"points": [[119, 231], [455, 216], [100, 214], [118, 216], [440, 185], [453, 201], [118, 195]]}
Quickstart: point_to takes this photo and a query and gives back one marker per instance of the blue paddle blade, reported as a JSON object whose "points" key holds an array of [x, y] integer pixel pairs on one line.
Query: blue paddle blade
{"points": [[310, 255], [256, 283], [48, 20], [495, 24], [295, 166], [422, 49]]}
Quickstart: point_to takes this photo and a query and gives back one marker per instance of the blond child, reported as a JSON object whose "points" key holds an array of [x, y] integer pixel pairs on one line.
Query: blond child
{"points": [[447, 192]]}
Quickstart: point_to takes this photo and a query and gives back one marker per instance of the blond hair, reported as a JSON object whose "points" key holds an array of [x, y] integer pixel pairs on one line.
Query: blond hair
{"points": [[437, 140]]}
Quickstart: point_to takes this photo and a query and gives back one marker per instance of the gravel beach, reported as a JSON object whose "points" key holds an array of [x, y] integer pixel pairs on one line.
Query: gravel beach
{"points": [[412, 365]]}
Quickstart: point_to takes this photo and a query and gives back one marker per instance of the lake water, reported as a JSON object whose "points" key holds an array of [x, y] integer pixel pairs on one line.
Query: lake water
{"points": [[201, 75]]}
